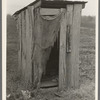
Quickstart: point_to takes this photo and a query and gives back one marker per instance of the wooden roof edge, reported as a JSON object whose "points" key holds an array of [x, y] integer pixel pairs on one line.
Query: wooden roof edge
{"points": [[60, 4], [17, 12], [66, 2], [46, 3]]}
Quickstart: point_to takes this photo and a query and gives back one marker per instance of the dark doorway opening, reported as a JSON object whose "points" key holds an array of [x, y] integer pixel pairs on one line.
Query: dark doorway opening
{"points": [[50, 79]]}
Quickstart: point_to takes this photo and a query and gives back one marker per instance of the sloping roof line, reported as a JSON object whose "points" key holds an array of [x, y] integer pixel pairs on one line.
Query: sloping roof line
{"points": [[17, 12], [51, 4]]}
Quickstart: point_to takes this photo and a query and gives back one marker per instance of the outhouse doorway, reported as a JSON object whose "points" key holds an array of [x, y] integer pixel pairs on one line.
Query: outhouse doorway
{"points": [[51, 77]]}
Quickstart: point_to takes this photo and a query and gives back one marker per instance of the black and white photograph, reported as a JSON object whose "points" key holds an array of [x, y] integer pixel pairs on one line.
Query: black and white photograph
{"points": [[50, 50]]}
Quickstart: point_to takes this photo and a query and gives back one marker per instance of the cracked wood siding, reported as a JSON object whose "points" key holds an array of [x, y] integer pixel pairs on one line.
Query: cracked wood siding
{"points": [[29, 45], [23, 48], [19, 37], [62, 52], [23, 43], [25, 28], [69, 17], [75, 40], [69, 61]]}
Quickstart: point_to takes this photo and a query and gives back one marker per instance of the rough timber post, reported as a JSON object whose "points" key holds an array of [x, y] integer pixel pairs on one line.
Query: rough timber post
{"points": [[69, 61], [69, 17], [62, 53], [75, 40], [72, 58]]}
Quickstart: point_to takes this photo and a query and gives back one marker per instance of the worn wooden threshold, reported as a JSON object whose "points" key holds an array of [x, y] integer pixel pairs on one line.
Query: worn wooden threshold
{"points": [[49, 84]]}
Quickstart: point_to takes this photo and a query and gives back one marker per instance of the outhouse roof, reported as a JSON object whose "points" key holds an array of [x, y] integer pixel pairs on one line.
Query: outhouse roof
{"points": [[53, 4]]}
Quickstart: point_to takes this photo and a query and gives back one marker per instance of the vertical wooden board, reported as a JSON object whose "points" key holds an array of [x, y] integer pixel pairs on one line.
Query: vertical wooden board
{"points": [[32, 42], [30, 10], [69, 16], [37, 57], [23, 45], [48, 11], [29, 43], [62, 53], [31, 16], [75, 39], [32, 20], [19, 44], [28, 60]]}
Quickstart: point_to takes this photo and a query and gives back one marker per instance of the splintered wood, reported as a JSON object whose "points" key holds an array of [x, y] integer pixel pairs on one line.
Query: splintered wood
{"points": [[28, 52], [69, 61], [25, 27], [75, 39], [62, 53]]}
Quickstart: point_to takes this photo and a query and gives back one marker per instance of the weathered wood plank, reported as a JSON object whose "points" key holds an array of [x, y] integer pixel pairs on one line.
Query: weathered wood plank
{"points": [[48, 84], [69, 17], [47, 11], [59, 3], [27, 45], [75, 39], [19, 44], [27, 32], [62, 53], [29, 27], [72, 30], [23, 45], [32, 42]]}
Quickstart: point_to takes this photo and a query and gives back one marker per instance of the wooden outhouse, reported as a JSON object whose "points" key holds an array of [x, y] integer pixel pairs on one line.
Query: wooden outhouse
{"points": [[49, 33]]}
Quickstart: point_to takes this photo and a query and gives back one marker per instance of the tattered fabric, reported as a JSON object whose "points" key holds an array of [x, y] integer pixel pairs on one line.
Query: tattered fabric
{"points": [[45, 33]]}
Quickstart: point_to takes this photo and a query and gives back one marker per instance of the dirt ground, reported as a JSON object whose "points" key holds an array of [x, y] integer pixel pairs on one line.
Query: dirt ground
{"points": [[87, 69]]}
